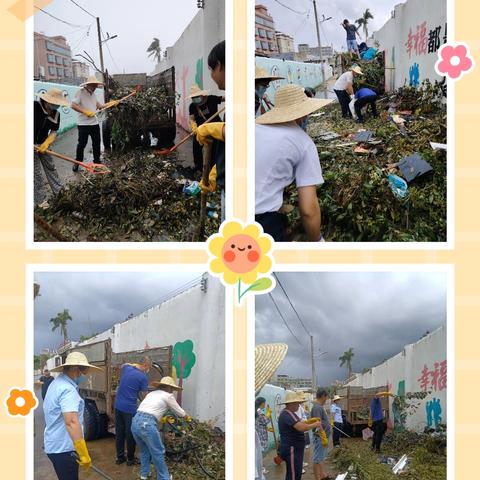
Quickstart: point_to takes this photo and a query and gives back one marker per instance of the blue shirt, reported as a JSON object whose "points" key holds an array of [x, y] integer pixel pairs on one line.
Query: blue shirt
{"points": [[337, 413], [364, 92], [376, 410], [62, 397], [132, 382]]}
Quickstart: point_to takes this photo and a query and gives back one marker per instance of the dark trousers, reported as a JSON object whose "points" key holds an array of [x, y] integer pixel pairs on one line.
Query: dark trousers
{"points": [[378, 431], [123, 431], [273, 223], [361, 102], [344, 101], [65, 465], [293, 457], [197, 155], [336, 433], [84, 131]]}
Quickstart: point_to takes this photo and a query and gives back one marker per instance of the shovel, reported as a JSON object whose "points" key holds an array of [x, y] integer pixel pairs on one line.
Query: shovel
{"points": [[167, 151], [207, 160], [95, 168], [95, 469], [137, 89]]}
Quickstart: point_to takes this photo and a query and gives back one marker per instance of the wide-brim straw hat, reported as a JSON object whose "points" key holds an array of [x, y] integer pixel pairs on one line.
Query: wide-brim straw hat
{"points": [[291, 103], [196, 91], [262, 74], [335, 398], [91, 80], [268, 358], [167, 381], [76, 359], [293, 397], [357, 69], [54, 96]]}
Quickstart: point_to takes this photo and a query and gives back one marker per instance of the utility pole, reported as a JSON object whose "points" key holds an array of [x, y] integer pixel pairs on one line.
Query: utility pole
{"points": [[314, 374], [318, 30], [102, 68]]}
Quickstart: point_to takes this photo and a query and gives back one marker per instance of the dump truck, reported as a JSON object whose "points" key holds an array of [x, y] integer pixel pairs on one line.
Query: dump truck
{"points": [[101, 388], [355, 405], [162, 126]]}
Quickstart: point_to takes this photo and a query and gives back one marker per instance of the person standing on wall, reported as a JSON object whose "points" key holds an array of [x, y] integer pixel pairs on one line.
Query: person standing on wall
{"points": [[203, 106], [133, 386], [352, 34], [337, 418]]}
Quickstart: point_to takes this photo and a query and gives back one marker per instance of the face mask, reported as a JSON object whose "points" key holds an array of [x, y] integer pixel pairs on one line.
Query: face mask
{"points": [[260, 90], [304, 124], [81, 379], [54, 107], [197, 100]]}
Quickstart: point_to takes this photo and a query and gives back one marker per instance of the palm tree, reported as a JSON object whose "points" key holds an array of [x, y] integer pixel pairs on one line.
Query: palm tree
{"points": [[60, 321], [155, 50], [346, 359], [363, 21]]}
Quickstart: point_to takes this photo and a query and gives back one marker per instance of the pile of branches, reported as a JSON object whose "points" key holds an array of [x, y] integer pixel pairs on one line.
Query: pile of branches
{"points": [[195, 450], [373, 71], [141, 199], [356, 200]]}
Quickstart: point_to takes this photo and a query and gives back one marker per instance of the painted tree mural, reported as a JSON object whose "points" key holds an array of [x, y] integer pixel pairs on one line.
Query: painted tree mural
{"points": [[183, 360]]}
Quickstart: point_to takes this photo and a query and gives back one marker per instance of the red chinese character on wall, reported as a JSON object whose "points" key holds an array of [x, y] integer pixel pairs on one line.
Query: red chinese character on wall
{"points": [[410, 43], [424, 379], [435, 379], [417, 41], [442, 379]]}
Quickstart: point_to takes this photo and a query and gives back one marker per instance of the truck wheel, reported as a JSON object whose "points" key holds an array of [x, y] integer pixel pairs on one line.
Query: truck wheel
{"points": [[91, 420]]}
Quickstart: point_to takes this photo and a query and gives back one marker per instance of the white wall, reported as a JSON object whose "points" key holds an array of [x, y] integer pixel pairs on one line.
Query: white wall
{"points": [[407, 367], [401, 65], [192, 315], [190, 53]]}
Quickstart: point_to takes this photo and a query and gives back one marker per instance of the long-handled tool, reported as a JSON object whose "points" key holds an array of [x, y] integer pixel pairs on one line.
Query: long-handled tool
{"points": [[207, 160], [95, 168], [95, 469], [120, 100], [168, 151]]}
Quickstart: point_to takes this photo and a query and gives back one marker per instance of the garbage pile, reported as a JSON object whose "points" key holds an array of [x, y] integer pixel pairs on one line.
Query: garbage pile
{"points": [[385, 180], [141, 199], [195, 450]]}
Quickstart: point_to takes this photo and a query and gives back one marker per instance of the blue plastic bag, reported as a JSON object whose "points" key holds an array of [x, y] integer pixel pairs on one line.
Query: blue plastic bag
{"points": [[398, 186]]}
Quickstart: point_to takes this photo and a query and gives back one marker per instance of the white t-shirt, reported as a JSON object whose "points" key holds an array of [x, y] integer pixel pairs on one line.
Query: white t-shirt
{"points": [[87, 101], [343, 81], [284, 154], [158, 402]]}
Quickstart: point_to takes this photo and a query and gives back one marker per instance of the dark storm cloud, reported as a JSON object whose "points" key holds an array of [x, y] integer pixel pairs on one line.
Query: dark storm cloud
{"points": [[376, 313], [302, 26], [96, 301]]}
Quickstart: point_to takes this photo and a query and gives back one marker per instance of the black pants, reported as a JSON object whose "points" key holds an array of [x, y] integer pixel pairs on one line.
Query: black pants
{"points": [[378, 431], [293, 457], [197, 155], [344, 100], [84, 131], [274, 224], [123, 431], [361, 102], [65, 465], [336, 433]]}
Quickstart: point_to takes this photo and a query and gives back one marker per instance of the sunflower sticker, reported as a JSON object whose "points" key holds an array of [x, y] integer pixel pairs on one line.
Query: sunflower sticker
{"points": [[240, 256]]}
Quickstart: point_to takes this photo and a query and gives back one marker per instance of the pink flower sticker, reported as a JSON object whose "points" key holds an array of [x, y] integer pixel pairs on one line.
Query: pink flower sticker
{"points": [[454, 60]]}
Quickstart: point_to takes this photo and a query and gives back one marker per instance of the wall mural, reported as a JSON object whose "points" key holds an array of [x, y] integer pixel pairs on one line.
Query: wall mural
{"points": [[398, 418], [435, 379], [183, 360], [434, 413]]}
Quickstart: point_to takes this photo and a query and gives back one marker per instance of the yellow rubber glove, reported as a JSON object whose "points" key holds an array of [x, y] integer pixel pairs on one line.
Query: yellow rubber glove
{"points": [[323, 437], [206, 132], [270, 429], [89, 113], [212, 181], [268, 414], [44, 146], [193, 125], [84, 459], [188, 418], [312, 420], [369, 423]]}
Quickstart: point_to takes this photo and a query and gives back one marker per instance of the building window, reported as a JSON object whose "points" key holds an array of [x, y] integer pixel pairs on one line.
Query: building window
{"points": [[265, 45], [51, 58], [59, 72], [66, 62], [67, 73], [269, 35], [259, 20], [272, 46], [58, 60], [51, 70], [258, 45], [262, 33]]}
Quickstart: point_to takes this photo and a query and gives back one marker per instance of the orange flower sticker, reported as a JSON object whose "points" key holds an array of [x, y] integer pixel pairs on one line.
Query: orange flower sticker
{"points": [[20, 402]]}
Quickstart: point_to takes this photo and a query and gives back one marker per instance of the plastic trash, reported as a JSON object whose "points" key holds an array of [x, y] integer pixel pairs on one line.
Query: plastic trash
{"points": [[363, 136], [400, 465], [191, 189], [367, 433], [398, 186], [414, 166]]}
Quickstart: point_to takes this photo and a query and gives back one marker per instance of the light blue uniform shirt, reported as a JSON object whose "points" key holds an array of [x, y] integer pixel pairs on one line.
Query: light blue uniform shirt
{"points": [[62, 397], [337, 413]]}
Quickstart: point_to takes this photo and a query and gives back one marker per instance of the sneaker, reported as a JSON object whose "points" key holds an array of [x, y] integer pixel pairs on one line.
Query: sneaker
{"points": [[75, 169], [120, 460], [133, 461]]}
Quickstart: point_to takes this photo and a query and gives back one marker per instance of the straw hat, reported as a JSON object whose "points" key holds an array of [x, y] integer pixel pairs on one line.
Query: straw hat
{"points": [[335, 398], [261, 74], [268, 357], [90, 80], [291, 103], [196, 92], [356, 69], [77, 359], [168, 381], [54, 96], [293, 397]]}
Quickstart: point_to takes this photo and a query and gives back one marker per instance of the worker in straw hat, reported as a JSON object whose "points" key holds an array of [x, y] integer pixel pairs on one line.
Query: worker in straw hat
{"points": [[46, 122], [145, 426], [203, 106], [86, 104], [336, 420], [63, 408], [292, 435], [343, 89], [284, 153], [262, 82]]}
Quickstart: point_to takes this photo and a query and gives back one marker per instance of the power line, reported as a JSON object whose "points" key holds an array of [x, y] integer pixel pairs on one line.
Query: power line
{"points": [[283, 318], [59, 19], [110, 53], [289, 8], [81, 8], [291, 304]]}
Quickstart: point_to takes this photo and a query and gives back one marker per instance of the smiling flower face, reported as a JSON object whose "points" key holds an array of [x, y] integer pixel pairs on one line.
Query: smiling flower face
{"points": [[240, 253]]}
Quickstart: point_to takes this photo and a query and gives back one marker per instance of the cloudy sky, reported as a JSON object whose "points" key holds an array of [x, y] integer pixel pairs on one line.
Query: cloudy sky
{"points": [[375, 313], [135, 23], [97, 301], [300, 23]]}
